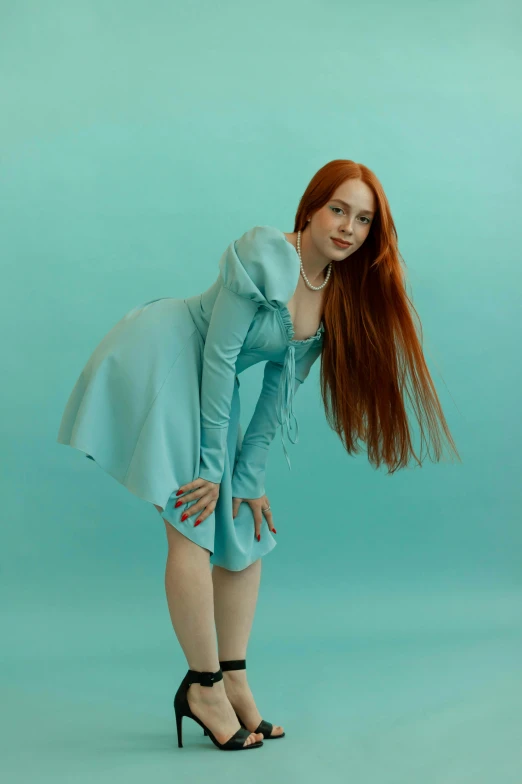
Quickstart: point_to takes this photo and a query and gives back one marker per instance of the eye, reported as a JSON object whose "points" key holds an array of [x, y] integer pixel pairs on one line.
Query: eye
{"points": [[340, 210]]}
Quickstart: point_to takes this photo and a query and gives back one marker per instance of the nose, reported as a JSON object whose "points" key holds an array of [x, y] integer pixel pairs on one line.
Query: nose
{"points": [[348, 228]]}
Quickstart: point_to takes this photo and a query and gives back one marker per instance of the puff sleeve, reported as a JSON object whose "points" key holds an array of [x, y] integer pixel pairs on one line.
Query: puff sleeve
{"points": [[261, 265], [248, 479]]}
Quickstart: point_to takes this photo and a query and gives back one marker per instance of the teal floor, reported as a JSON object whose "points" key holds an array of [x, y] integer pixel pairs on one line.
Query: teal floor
{"points": [[410, 688]]}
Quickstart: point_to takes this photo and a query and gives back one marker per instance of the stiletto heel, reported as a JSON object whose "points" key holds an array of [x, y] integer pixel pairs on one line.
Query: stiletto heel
{"points": [[182, 708], [265, 728], [179, 719]]}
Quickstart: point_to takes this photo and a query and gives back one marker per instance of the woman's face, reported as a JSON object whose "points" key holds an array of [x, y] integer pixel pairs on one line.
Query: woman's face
{"points": [[347, 215]]}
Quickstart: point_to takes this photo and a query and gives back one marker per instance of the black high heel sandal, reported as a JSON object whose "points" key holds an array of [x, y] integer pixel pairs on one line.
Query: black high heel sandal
{"points": [[182, 708], [265, 728]]}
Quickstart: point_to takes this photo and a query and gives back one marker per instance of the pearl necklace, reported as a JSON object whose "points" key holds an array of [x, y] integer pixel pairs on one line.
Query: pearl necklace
{"points": [[303, 273]]}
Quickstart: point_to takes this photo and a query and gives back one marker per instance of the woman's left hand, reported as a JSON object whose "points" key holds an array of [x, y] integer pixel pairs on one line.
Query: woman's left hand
{"points": [[257, 505]]}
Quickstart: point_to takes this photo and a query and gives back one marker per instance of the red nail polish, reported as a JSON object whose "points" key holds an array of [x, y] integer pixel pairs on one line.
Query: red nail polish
{"points": [[274, 531], [197, 523], [179, 492], [184, 516], [178, 503], [259, 537]]}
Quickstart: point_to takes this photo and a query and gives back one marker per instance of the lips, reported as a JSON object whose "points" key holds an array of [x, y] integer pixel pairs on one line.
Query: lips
{"points": [[341, 242]]}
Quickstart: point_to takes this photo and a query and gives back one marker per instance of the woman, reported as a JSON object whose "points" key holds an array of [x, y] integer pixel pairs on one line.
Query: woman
{"points": [[157, 407]]}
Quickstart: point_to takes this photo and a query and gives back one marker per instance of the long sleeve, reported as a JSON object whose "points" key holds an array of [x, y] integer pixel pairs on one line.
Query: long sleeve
{"points": [[248, 479], [229, 323], [260, 269]]}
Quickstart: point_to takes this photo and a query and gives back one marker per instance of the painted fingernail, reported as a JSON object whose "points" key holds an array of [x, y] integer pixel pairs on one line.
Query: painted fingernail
{"points": [[179, 492], [178, 503], [274, 531], [197, 522], [184, 516], [259, 537]]}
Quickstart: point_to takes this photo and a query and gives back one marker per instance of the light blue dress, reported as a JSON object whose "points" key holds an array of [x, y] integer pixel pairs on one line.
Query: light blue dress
{"points": [[157, 404]]}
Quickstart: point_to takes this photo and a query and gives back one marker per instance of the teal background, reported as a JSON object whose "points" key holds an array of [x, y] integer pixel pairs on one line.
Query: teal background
{"points": [[137, 140]]}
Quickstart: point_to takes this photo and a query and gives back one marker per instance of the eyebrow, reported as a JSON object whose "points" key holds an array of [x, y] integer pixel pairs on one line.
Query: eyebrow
{"points": [[368, 212]]}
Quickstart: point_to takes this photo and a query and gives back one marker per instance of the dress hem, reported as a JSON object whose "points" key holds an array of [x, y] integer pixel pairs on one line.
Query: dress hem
{"points": [[260, 547]]}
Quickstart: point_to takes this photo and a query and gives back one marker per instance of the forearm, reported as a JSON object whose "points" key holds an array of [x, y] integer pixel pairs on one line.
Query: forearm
{"points": [[248, 480]]}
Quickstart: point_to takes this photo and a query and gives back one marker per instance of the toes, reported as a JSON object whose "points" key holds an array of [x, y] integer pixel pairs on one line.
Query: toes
{"points": [[252, 738]]}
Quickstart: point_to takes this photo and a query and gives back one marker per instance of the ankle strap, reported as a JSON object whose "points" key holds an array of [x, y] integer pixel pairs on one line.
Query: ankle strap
{"points": [[204, 678], [233, 664]]}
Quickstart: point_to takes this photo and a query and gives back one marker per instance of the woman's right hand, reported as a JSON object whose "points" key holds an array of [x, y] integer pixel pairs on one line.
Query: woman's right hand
{"points": [[202, 491]]}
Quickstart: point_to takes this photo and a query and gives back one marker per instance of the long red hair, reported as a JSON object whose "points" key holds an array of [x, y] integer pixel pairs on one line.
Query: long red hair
{"points": [[372, 358]]}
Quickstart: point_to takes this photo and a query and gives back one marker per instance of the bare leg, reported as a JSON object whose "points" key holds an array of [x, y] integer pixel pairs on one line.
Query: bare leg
{"points": [[235, 598], [188, 584]]}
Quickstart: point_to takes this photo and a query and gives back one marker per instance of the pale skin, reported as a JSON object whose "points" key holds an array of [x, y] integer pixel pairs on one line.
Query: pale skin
{"points": [[206, 602]]}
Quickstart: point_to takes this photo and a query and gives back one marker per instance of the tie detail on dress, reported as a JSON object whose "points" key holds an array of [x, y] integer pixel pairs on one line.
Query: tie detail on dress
{"points": [[285, 400]]}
